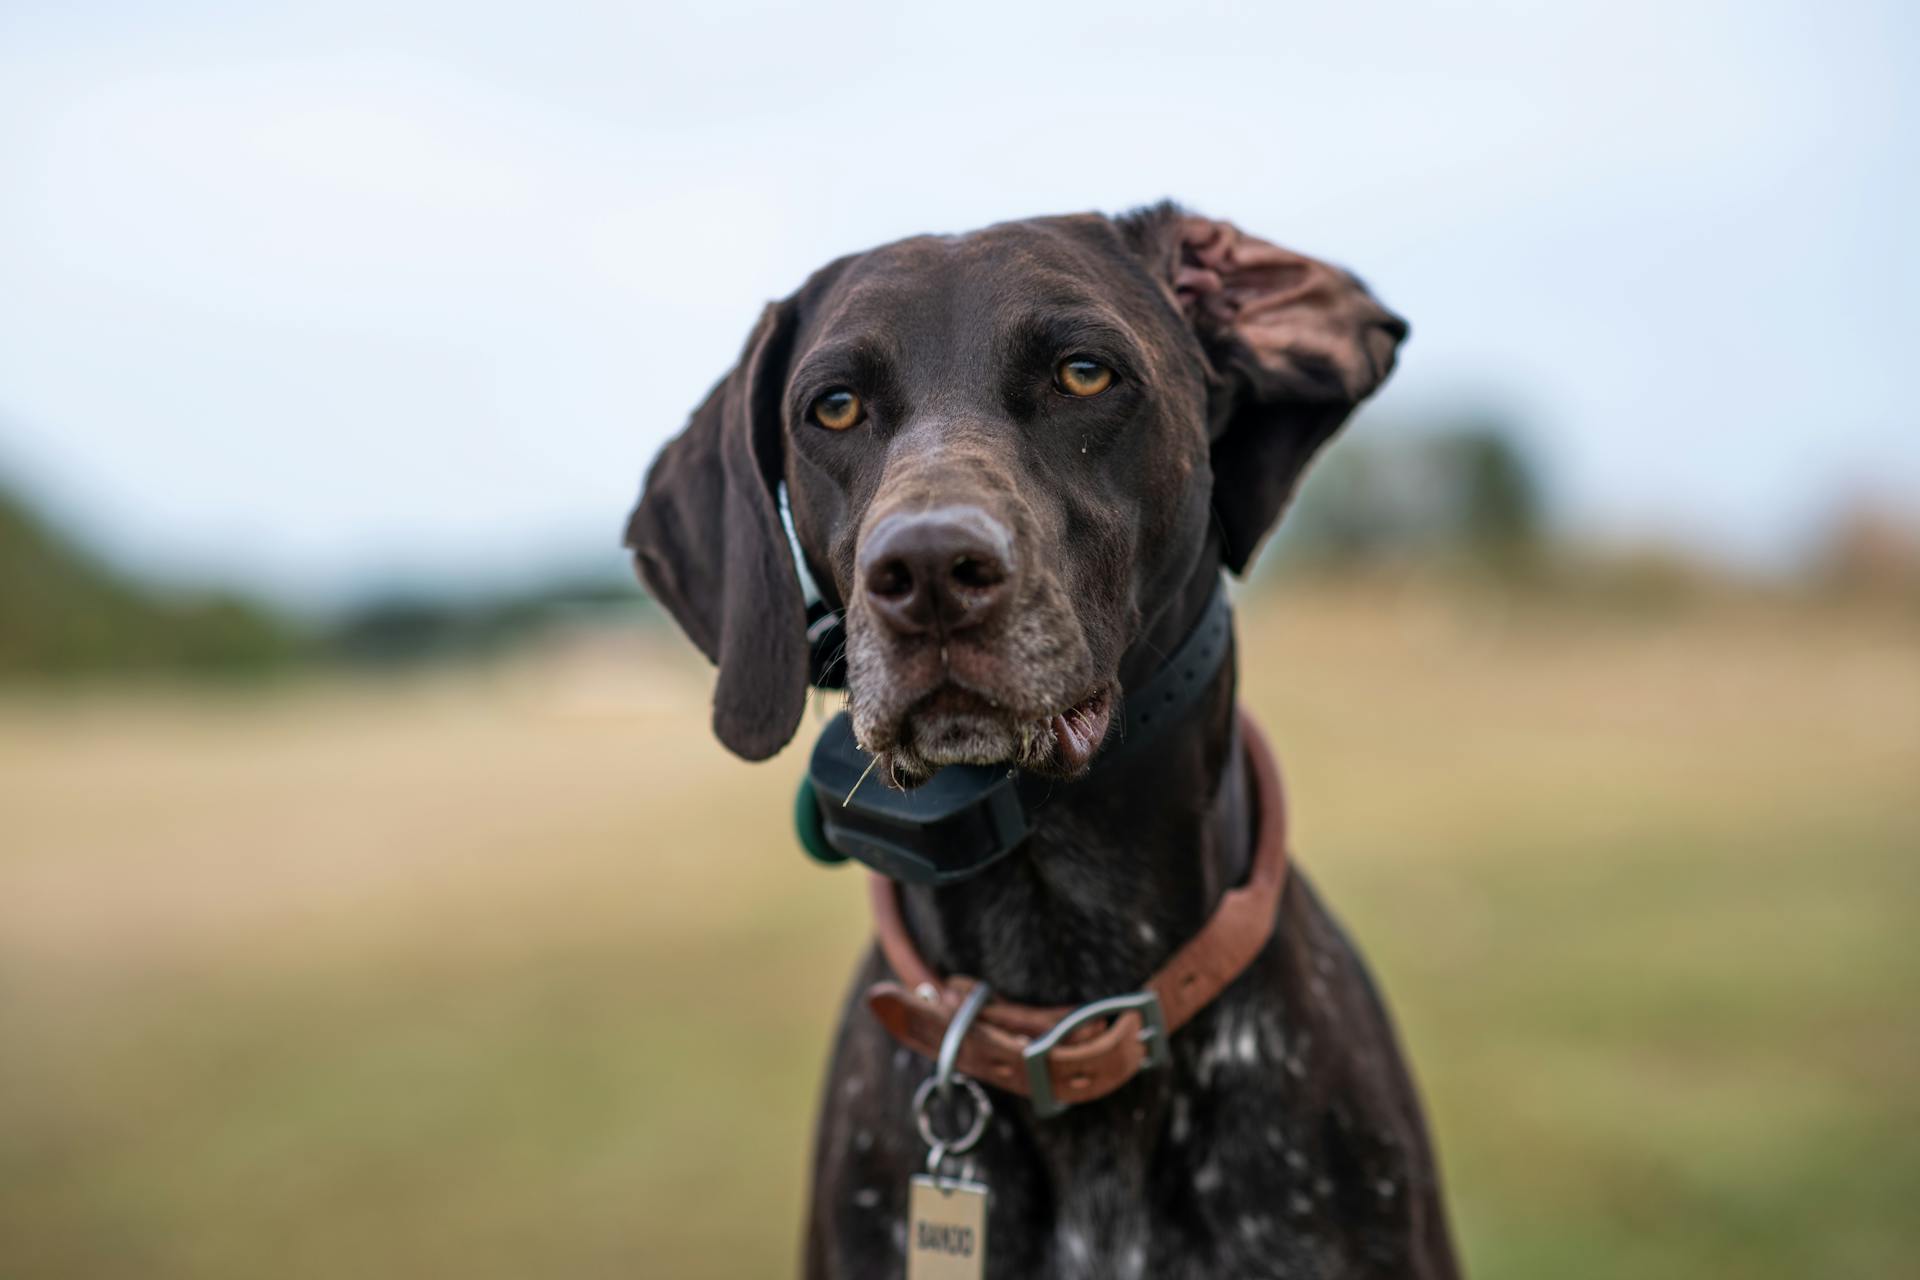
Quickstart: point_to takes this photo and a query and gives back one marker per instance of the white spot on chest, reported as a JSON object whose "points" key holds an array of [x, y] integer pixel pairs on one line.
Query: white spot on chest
{"points": [[1074, 1245]]}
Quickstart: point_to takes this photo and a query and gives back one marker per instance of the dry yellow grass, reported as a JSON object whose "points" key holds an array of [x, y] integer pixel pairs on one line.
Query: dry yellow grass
{"points": [[513, 972]]}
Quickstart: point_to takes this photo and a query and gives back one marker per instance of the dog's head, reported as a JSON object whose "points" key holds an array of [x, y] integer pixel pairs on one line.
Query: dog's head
{"points": [[1000, 451]]}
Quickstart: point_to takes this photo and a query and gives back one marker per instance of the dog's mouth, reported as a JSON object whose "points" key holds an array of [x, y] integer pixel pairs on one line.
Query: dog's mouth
{"points": [[957, 725]]}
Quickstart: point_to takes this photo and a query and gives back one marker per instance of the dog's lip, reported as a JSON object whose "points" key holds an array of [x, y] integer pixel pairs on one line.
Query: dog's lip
{"points": [[1080, 729]]}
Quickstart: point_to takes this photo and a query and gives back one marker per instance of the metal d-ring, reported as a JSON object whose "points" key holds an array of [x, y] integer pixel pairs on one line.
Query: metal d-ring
{"points": [[944, 1077], [957, 1032], [1153, 1034]]}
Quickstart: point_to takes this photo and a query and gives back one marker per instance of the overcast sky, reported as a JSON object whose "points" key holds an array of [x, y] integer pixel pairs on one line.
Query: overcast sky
{"points": [[413, 290]]}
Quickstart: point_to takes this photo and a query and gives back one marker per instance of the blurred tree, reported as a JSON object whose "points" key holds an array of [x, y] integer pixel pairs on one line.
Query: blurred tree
{"points": [[64, 613], [1869, 548], [1498, 495], [402, 629], [1461, 490]]}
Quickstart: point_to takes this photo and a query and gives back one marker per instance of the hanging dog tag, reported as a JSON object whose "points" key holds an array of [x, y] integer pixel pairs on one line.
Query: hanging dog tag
{"points": [[946, 1229]]}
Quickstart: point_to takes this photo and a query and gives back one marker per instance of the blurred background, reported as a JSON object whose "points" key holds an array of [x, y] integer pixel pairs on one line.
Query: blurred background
{"points": [[373, 900]]}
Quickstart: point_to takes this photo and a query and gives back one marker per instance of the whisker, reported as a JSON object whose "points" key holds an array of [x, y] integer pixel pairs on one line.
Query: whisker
{"points": [[857, 781]]}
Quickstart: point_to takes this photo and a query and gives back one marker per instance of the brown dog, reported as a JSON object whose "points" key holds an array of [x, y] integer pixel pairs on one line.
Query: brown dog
{"points": [[1017, 460]]}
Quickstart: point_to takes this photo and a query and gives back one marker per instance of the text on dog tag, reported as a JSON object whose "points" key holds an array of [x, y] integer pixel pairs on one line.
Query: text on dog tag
{"points": [[946, 1229]]}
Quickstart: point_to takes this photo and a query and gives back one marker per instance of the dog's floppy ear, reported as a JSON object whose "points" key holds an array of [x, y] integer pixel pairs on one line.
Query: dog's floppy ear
{"points": [[1293, 344], [708, 541]]}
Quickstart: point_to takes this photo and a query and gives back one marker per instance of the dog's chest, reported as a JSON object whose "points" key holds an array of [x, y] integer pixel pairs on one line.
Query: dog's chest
{"points": [[1203, 1172], [1199, 1171], [1278, 1142]]}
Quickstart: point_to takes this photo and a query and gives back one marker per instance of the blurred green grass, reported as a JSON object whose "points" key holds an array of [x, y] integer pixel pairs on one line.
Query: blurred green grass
{"points": [[510, 970]]}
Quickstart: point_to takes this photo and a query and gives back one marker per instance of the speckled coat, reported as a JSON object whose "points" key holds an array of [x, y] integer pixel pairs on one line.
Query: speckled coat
{"points": [[1286, 1139]]}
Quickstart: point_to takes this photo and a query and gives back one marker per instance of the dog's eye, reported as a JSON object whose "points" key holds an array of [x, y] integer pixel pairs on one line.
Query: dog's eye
{"points": [[837, 410], [1079, 376]]}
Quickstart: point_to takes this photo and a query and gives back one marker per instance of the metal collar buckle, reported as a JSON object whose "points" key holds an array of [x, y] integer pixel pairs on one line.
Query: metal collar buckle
{"points": [[1153, 1034]]}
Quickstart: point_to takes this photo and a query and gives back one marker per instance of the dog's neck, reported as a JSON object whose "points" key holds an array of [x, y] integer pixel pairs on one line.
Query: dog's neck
{"points": [[1121, 868]]}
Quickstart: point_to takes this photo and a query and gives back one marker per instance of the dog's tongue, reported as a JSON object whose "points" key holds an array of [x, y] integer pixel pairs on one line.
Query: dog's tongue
{"points": [[1079, 734]]}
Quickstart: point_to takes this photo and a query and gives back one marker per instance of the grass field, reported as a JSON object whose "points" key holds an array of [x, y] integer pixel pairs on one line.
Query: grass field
{"points": [[511, 972]]}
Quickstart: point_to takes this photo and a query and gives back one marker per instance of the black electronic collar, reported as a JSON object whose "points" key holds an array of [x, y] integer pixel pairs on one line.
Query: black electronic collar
{"points": [[966, 817]]}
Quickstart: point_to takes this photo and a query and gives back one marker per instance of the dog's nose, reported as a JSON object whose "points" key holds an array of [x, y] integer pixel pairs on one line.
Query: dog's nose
{"points": [[944, 570]]}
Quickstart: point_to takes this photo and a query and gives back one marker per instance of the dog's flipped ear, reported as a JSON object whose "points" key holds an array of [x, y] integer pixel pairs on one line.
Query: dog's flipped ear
{"points": [[1294, 345], [708, 541]]}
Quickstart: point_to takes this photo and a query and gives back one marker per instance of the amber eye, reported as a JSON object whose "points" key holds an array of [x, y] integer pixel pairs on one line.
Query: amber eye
{"points": [[837, 410], [1079, 376]]}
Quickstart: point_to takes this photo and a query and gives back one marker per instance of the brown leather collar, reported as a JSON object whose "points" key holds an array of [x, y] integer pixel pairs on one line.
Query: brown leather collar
{"points": [[1004, 1045]]}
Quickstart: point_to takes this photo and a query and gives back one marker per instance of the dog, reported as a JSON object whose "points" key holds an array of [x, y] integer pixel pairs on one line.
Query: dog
{"points": [[1015, 464]]}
